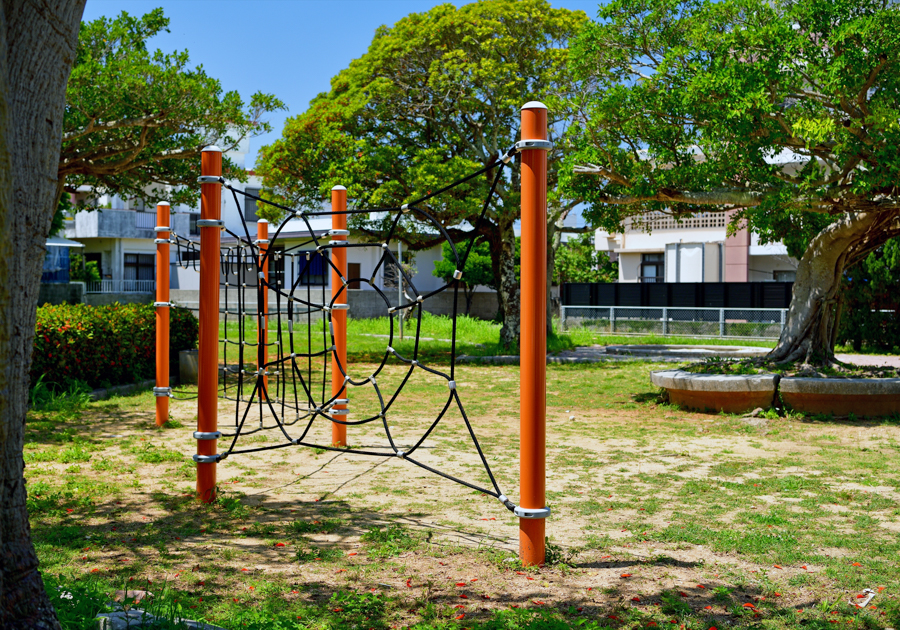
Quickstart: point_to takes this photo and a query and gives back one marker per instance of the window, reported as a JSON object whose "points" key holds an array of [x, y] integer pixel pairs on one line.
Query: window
{"points": [[653, 267], [250, 205], [785, 276], [195, 231], [313, 272], [353, 271], [140, 267]]}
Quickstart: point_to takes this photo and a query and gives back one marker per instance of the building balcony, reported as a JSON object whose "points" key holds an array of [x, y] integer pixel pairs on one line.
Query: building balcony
{"points": [[122, 224]]}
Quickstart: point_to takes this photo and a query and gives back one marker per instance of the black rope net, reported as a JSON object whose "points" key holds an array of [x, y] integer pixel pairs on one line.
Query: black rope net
{"points": [[280, 383]]}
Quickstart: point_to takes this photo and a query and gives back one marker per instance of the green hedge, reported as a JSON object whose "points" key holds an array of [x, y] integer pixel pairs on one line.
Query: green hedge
{"points": [[104, 345]]}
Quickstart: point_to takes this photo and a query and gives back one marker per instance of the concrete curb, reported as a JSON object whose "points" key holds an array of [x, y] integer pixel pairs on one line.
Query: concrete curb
{"points": [[718, 392], [842, 396], [129, 388]]}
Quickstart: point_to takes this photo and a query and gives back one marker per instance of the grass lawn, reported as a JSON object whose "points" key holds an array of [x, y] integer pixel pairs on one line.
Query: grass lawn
{"points": [[661, 518]]}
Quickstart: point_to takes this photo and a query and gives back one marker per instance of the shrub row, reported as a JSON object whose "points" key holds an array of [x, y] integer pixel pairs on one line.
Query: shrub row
{"points": [[104, 345]]}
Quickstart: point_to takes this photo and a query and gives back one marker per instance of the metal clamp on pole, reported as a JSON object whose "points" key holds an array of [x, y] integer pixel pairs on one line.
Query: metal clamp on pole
{"points": [[544, 145], [532, 512], [209, 459], [338, 232], [213, 435], [162, 391], [163, 304], [210, 179], [340, 412], [162, 228], [219, 223], [161, 240], [340, 307]]}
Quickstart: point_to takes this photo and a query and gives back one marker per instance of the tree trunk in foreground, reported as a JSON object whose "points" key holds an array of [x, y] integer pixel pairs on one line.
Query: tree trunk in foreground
{"points": [[37, 50], [508, 291], [808, 331]]}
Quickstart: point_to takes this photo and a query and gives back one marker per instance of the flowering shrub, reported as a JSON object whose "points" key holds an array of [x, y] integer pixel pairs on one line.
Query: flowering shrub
{"points": [[104, 345]]}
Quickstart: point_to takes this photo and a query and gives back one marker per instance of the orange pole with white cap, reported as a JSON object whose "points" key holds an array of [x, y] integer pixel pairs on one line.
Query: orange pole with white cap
{"points": [[533, 335], [162, 313], [339, 390], [208, 354], [262, 240]]}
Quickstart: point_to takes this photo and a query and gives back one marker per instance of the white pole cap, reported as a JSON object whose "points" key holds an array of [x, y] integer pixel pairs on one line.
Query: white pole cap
{"points": [[339, 188], [162, 203], [261, 221], [212, 147], [534, 105]]}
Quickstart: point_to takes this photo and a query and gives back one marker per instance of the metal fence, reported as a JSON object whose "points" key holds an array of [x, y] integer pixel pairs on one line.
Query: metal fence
{"points": [[121, 286], [750, 323]]}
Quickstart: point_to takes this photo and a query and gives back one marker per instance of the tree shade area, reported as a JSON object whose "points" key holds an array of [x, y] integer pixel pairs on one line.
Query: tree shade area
{"points": [[436, 95], [783, 111]]}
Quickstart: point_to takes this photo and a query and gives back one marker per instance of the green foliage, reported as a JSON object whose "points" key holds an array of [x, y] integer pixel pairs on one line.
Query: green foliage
{"points": [[103, 344], [871, 311], [436, 96], [136, 121], [478, 269], [83, 271], [65, 397], [578, 261], [729, 91], [390, 541]]}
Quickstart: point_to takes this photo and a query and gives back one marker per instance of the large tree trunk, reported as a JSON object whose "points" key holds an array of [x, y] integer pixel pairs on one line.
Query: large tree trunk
{"points": [[508, 291], [37, 50], [808, 332]]}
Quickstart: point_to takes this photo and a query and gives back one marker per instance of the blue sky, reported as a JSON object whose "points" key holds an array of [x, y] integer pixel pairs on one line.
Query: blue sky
{"points": [[290, 48]]}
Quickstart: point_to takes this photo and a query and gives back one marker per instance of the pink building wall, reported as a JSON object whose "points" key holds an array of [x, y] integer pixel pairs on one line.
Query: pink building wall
{"points": [[737, 255]]}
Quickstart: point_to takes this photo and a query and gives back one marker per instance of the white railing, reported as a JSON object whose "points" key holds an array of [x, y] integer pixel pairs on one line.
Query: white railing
{"points": [[749, 323], [145, 220], [121, 286]]}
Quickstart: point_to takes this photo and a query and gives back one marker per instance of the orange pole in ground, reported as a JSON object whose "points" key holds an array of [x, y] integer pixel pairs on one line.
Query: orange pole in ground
{"points": [[208, 355], [162, 314], [339, 313], [262, 239], [533, 334]]}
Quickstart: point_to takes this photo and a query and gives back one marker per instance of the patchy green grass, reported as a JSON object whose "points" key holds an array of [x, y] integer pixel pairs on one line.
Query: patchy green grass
{"points": [[658, 515]]}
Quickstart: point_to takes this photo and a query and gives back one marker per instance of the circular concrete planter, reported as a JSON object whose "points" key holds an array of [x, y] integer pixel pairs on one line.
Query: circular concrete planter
{"points": [[842, 396], [717, 392]]}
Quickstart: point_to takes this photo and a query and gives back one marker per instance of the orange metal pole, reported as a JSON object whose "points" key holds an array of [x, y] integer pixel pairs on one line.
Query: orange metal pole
{"points": [[162, 314], [208, 355], [533, 334], [339, 312], [262, 239]]}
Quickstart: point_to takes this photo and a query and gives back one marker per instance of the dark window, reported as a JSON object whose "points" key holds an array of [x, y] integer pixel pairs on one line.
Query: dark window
{"points": [[250, 205], [653, 267], [353, 271], [195, 231], [276, 267], [140, 267], [313, 272]]}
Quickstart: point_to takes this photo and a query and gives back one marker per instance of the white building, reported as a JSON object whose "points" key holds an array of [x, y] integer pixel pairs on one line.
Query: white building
{"points": [[696, 249]]}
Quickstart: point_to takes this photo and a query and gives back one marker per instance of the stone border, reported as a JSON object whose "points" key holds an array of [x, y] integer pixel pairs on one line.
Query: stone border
{"points": [[718, 392], [842, 396], [733, 393]]}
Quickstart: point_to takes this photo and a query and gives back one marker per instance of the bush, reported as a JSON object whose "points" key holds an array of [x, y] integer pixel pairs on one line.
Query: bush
{"points": [[103, 345]]}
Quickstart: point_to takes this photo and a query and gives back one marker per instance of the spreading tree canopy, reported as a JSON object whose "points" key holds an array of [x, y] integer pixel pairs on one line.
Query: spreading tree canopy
{"points": [[136, 120], [479, 269], [787, 110], [436, 96]]}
